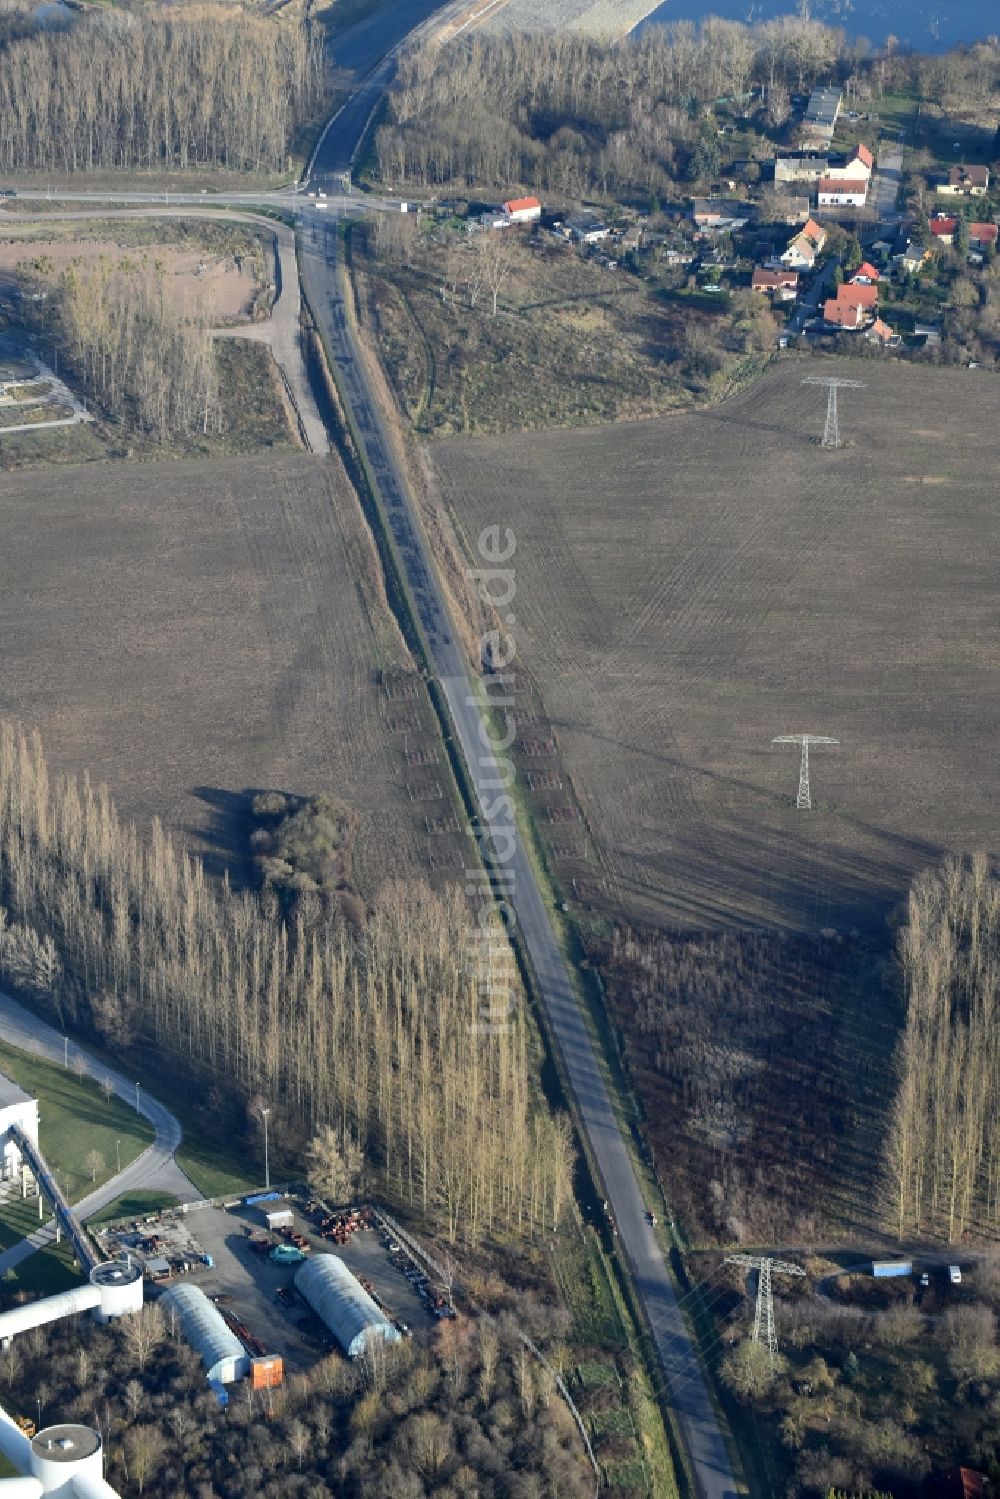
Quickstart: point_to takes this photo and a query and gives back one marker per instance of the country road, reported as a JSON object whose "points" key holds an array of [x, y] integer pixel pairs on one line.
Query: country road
{"points": [[155, 1169], [324, 283]]}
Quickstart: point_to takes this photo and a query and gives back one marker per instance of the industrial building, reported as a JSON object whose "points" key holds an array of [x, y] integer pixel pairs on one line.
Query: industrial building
{"points": [[342, 1302], [16, 1108], [113, 1290], [203, 1326]]}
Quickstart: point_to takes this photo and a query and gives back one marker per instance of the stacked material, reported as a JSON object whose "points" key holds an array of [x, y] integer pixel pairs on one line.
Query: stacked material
{"points": [[599, 18]]}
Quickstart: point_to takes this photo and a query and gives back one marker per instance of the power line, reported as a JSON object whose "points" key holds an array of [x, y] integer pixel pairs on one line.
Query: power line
{"points": [[831, 432], [763, 1322], [803, 801]]}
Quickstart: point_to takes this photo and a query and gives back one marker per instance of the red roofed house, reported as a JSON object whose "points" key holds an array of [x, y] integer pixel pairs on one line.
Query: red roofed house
{"points": [[865, 157], [855, 168], [837, 192], [865, 275], [981, 236], [522, 210], [861, 293], [783, 285], [880, 332], [850, 315], [943, 228], [815, 232]]}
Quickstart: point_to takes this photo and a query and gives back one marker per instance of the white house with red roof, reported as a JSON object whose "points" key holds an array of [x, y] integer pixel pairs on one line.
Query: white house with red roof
{"points": [[842, 192], [522, 211], [865, 275], [856, 168]]}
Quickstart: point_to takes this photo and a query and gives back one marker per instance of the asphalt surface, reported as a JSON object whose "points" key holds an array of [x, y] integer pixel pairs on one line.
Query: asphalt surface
{"points": [[154, 1170]]}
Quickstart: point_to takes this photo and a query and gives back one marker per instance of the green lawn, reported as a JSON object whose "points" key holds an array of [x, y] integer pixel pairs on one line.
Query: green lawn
{"points": [[133, 1205], [75, 1120]]}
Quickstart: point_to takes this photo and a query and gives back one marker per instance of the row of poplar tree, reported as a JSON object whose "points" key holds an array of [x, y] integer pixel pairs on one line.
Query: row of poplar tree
{"points": [[377, 1030]]}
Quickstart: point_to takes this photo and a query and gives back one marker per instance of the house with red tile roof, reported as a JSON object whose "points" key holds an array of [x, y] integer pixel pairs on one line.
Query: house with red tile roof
{"points": [[865, 275], [943, 228], [981, 236], [880, 332], [847, 315], [522, 210], [782, 285]]}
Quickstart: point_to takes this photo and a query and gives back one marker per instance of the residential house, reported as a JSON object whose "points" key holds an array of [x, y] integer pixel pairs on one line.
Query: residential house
{"points": [[842, 192], [907, 256], [929, 332], [585, 228], [782, 285], [719, 213], [982, 236], [804, 247], [851, 308], [943, 228], [856, 168], [522, 210], [881, 333], [847, 315], [966, 182], [865, 275], [821, 115], [800, 168]]}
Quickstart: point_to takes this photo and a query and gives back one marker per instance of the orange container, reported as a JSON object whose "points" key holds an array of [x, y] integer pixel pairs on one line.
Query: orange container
{"points": [[267, 1372]]}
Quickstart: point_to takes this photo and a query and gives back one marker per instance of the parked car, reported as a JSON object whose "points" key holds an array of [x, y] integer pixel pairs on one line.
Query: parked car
{"points": [[955, 1275]]}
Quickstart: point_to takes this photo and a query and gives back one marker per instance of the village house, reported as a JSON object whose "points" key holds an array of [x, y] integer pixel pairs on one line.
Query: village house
{"points": [[982, 236], [857, 168], [522, 211], [966, 182], [852, 307], [943, 228], [821, 115], [713, 214], [586, 228], [800, 168], [907, 256], [881, 333], [782, 285], [865, 275], [837, 192], [804, 247]]}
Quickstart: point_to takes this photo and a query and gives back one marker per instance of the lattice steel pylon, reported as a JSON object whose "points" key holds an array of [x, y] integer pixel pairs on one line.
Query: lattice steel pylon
{"points": [[803, 801], [831, 432], [763, 1322]]}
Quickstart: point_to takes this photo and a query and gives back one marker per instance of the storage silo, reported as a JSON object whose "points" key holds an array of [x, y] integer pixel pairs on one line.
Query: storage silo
{"points": [[62, 1454], [204, 1327], [120, 1285], [342, 1302]]}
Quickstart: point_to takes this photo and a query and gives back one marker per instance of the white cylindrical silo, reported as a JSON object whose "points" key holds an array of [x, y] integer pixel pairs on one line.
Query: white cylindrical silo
{"points": [[121, 1287], [15, 1446], [61, 1454], [21, 1488]]}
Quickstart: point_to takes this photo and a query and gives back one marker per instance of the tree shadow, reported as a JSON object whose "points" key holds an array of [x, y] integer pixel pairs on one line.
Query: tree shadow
{"points": [[223, 842]]}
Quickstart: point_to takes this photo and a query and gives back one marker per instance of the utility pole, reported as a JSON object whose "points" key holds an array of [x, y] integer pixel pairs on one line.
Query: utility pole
{"points": [[763, 1322], [831, 432], [803, 801], [267, 1168], [66, 1051]]}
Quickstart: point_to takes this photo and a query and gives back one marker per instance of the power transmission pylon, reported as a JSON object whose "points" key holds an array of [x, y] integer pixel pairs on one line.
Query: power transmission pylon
{"points": [[831, 432], [763, 1322], [803, 801]]}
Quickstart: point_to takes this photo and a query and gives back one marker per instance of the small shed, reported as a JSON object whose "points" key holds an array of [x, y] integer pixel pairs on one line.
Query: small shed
{"points": [[157, 1268], [342, 1302], [278, 1218], [204, 1327]]}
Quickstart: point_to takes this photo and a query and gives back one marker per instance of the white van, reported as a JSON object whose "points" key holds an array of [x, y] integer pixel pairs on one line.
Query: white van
{"points": [[955, 1275]]}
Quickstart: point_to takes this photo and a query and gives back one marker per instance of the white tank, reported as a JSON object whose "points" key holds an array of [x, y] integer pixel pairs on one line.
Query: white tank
{"points": [[121, 1288], [60, 1454]]}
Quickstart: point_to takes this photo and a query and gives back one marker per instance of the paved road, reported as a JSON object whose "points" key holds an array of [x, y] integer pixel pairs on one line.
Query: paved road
{"points": [[155, 1169], [325, 290]]}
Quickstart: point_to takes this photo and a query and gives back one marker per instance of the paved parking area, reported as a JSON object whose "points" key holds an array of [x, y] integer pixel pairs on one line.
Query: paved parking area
{"points": [[247, 1281]]}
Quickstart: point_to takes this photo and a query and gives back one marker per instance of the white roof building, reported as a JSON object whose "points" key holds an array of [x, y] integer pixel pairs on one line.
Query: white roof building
{"points": [[342, 1302], [16, 1107], [204, 1327]]}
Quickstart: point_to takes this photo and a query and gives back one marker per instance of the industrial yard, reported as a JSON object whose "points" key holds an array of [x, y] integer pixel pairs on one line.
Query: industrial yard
{"points": [[247, 1269]]}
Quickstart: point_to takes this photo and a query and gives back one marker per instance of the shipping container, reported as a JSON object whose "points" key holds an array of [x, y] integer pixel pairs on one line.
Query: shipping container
{"points": [[267, 1373], [884, 1269]]}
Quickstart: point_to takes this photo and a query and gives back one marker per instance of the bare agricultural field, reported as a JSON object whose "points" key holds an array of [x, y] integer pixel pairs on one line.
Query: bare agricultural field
{"points": [[192, 632], [689, 587]]}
